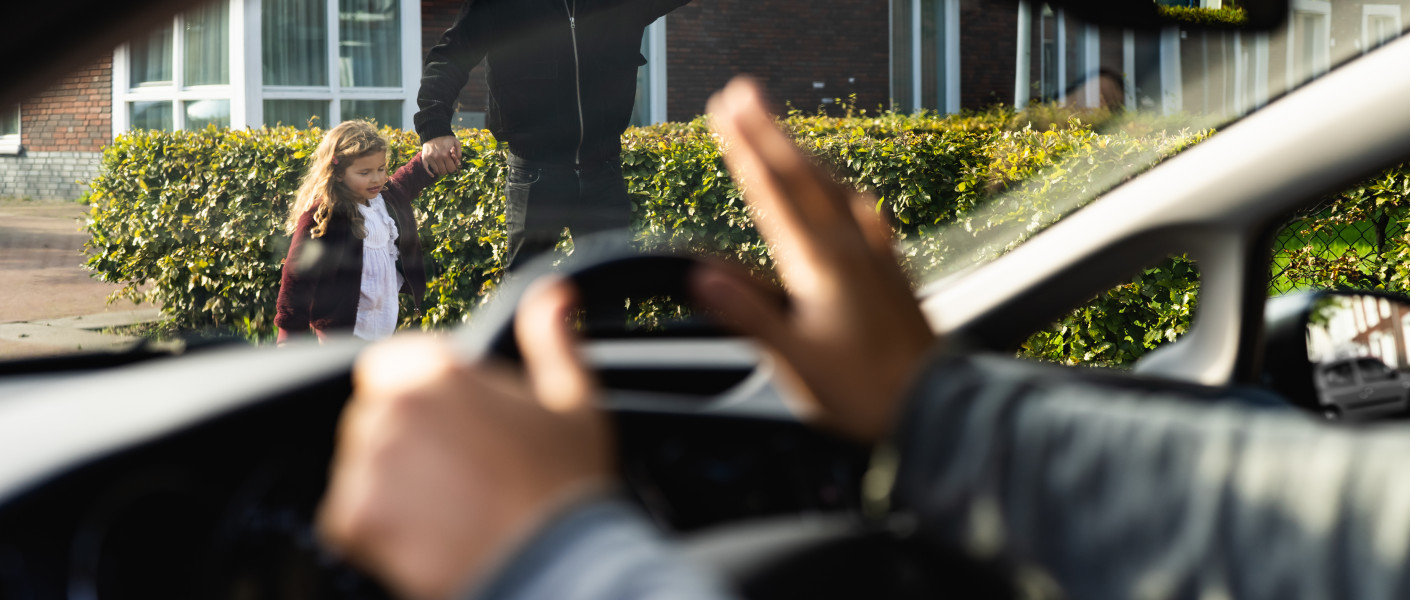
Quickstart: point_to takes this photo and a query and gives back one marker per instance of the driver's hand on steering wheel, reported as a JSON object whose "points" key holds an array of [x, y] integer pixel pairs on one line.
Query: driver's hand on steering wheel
{"points": [[443, 467]]}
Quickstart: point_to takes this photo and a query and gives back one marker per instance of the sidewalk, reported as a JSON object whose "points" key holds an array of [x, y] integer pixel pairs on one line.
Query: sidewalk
{"points": [[48, 303]]}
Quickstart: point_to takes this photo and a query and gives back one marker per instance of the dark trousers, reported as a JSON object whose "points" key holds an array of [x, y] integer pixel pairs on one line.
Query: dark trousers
{"points": [[541, 199]]}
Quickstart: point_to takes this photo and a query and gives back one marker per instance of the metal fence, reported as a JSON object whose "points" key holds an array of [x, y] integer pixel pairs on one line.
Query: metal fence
{"points": [[1326, 248]]}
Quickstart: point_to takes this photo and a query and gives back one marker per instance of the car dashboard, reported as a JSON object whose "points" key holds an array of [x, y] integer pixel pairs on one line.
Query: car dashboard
{"points": [[199, 476]]}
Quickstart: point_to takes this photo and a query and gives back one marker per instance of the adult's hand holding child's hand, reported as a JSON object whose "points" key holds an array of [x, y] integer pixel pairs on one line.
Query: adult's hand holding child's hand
{"points": [[441, 155], [852, 334]]}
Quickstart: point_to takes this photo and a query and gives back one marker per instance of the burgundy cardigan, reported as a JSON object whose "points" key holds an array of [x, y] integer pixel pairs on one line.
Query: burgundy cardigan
{"points": [[322, 277]]}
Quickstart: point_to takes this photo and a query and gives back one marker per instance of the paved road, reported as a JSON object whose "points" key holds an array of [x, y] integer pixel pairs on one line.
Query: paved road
{"points": [[43, 284]]}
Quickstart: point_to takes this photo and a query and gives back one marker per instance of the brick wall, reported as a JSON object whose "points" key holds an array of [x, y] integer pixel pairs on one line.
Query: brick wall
{"points": [[73, 115], [62, 131], [49, 176], [436, 17], [788, 44]]}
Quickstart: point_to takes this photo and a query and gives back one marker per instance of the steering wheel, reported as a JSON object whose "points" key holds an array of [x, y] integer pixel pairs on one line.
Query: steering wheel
{"points": [[607, 272], [832, 556]]}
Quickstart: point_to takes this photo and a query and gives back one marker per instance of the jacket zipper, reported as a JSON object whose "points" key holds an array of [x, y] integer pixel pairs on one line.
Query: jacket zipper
{"points": [[577, 78]]}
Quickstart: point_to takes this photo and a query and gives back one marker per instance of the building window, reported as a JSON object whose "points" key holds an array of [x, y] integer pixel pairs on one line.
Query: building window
{"points": [[650, 106], [177, 77], [1380, 23], [238, 63], [10, 130], [1052, 30], [1068, 59], [327, 61], [1309, 40], [925, 55], [1250, 71]]}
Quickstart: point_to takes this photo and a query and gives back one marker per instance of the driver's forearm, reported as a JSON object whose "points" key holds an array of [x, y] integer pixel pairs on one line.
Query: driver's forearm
{"points": [[1119, 493], [599, 549]]}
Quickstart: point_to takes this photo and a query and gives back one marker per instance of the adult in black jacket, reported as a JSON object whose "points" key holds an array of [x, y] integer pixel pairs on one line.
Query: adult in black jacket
{"points": [[562, 77]]}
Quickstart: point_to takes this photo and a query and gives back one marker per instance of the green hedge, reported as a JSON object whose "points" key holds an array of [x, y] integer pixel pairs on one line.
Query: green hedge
{"points": [[1231, 17], [1357, 238], [192, 220]]}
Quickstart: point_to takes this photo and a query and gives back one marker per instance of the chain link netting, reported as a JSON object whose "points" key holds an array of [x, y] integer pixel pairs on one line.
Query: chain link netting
{"points": [[1328, 246]]}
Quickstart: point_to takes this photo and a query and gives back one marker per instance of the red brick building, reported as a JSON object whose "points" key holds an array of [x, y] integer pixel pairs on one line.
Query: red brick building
{"points": [[61, 132], [248, 63]]}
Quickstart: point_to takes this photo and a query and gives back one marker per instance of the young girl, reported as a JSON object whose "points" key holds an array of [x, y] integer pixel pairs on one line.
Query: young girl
{"points": [[354, 239]]}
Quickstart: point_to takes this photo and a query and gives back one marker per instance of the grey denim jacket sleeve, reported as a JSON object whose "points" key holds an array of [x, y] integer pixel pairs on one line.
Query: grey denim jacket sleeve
{"points": [[1131, 493], [599, 549]]}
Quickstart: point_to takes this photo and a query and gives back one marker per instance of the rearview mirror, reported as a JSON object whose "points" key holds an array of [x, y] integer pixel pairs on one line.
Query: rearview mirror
{"points": [[1343, 355]]}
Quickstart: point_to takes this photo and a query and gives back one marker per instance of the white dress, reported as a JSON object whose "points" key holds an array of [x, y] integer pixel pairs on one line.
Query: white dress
{"points": [[377, 306]]}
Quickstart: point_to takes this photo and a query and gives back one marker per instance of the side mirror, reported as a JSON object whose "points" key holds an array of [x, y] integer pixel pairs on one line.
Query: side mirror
{"points": [[1343, 355]]}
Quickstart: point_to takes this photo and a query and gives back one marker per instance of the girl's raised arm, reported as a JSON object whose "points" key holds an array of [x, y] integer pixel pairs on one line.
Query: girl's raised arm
{"points": [[409, 180]]}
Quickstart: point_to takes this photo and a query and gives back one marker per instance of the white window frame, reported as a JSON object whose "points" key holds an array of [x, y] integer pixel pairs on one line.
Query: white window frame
{"points": [[1377, 10], [1088, 46], [1061, 55], [246, 91], [1092, 61], [1023, 62], [951, 53], [334, 93], [1172, 85], [1322, 51], [1260, 69], [657, 64], [10, 142], [177, 93], [656, 71], [952, 56]]}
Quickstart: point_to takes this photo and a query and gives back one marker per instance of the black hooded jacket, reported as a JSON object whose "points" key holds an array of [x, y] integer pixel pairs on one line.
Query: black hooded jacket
{"points": [[562, 73]]}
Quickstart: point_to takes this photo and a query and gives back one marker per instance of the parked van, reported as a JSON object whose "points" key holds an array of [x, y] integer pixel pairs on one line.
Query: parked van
{"points": [[1360, 388]]}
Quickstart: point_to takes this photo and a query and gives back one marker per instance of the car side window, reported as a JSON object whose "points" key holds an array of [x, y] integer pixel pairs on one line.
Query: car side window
{"points": [[1374, 370], [1355, 239], [1119, 326], [1338, 375]]}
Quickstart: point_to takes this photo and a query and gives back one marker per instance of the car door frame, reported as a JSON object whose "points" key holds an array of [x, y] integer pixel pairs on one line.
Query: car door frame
{"points": [[1220, 202]]}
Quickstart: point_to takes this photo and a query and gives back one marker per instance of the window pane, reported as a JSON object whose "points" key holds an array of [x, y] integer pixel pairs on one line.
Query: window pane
{"points": [[201, 113], [932, 51], [901, 55], [151, 60], [369, 43], [1310, 44], [207, 45], [10, 121], [1381, 29], [294, 113], [1048, 54], [383, 112], [295, 42], [150, 115], [641, 107]]}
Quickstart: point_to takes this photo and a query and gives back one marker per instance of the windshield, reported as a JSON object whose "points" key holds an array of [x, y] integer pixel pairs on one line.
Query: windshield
{"points": [[1100, 106], [155, 193]]}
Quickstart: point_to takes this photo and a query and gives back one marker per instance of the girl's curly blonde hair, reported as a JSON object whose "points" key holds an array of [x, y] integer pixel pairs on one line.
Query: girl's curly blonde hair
{"points": [[321, 191]]}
